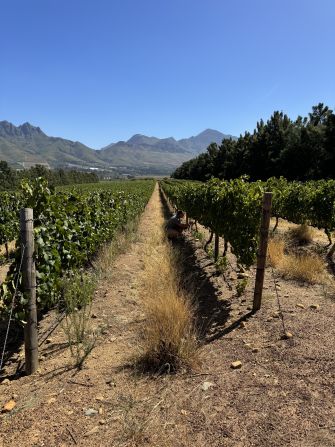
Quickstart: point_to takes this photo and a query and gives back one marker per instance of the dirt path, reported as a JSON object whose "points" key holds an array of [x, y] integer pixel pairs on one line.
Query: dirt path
{"points": [[53, 402], [281, 396]]}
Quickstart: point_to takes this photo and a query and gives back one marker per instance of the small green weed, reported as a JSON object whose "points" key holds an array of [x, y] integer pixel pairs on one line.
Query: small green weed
{"points": [[198, 235], [222, 264], [210, 251], [241, 286], [77, 291]]}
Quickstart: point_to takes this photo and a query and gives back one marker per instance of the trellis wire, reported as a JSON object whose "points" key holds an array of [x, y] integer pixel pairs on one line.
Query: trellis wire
{"points": [[11, 309], [277, 295]]}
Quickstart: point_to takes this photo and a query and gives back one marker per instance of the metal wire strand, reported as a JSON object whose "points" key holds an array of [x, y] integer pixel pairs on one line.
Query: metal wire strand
{"points": [[277, 294], [12, 308]]}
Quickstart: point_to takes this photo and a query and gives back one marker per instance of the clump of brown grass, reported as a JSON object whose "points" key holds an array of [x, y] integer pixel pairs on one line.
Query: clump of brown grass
{"points": [[306, 267], [276, 249], [301, 235], [169, 338]]}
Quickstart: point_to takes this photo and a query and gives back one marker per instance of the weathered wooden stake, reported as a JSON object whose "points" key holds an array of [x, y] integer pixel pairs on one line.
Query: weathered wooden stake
{"points": [[186, 217], [216, 247], [29, 289], [262, 250]]}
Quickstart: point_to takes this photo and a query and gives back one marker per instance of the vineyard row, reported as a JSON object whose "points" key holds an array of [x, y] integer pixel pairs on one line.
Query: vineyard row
{"points": [[232, 209], [69, 228]]}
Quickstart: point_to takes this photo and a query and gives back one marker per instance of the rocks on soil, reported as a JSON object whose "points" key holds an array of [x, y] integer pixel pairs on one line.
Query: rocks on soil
{"points": [[287, 335], [91, 412], [92, 431], [315, 306], [236, 365], [207, 385], [9, 406]]}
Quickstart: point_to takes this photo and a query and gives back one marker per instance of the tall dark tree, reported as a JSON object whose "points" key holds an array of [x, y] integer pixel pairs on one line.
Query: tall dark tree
{"points": [[302, 149]]}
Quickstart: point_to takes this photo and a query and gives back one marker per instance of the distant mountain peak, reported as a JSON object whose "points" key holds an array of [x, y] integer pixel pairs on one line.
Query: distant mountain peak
{"points": [[138, 135], [7, 128], [169, 139], [140, 154], [24, 130], [29, 129], [200, 142], [209, 132], [139, 139]]}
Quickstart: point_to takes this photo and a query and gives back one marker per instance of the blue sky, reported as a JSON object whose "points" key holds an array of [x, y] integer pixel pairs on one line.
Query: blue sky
{"points": [[100, 71]]}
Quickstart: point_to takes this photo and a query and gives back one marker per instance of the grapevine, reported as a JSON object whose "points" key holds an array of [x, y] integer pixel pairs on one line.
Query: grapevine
{"points": [[232, 208], [69, 227]]}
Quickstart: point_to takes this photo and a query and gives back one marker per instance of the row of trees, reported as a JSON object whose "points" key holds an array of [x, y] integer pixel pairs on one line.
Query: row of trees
{"points": [[10, 179], [303, 149]]}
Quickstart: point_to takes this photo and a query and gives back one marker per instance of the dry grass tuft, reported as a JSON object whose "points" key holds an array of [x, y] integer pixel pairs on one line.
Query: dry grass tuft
{"points": [[169, 339], [307, 267], [302, 267], [276, 254], [301, 235]]}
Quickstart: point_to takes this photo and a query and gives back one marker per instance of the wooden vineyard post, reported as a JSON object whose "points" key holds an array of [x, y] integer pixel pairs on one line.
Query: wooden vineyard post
{"points": [[262, 250], [216, 247], [186, 217], [29, 289]]}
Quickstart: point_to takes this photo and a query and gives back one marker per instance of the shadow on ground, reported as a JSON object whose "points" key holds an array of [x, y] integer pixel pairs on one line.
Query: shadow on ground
{"points": [[198, 279], [10, 346]]}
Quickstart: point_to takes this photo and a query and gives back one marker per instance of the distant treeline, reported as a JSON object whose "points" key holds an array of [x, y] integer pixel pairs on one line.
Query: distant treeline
{"points": [[303, 149], [10, 179]]}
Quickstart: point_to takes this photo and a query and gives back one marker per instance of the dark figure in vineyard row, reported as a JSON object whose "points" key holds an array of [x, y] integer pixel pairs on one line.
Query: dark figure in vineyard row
{"points": [[174, 226]]}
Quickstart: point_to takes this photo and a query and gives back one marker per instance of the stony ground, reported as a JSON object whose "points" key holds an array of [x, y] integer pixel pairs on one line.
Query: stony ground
{"points": [[282, 395]]}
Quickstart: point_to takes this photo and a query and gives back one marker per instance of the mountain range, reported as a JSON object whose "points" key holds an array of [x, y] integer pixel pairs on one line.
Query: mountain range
{"points": [[26, 145]]}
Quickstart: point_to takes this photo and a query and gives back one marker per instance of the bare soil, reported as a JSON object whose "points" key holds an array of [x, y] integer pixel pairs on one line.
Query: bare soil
{"points": [[11, 247], [3, 271], [283, 394], [4, 263]]}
